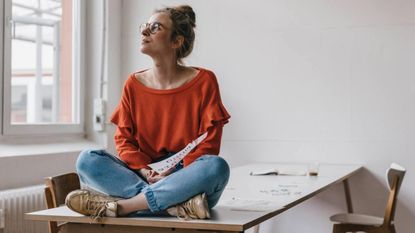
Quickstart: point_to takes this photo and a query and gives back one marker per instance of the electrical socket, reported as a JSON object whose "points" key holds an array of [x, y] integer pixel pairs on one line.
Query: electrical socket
{"points": [[99, 114]]}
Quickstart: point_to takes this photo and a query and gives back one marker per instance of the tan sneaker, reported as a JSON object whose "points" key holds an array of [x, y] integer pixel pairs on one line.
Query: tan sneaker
{"points": [[91, 204], [196, 208]]}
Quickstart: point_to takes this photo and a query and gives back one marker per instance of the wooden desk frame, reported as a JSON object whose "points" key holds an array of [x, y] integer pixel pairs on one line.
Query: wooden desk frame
{"points": [[82, 224]]}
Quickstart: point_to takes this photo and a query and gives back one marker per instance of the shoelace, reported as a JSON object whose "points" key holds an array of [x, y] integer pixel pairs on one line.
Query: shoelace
{"points": [[185, 216], [98, 208], [186, 212]]}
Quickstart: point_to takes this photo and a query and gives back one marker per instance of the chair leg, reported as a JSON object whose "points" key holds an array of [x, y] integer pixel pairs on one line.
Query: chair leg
{"points": [[336, 228], [383, 229], [344, 228]]}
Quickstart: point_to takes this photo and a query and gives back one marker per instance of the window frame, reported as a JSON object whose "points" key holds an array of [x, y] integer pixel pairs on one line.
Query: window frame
{"points": [[2, 6], [78, 71]]}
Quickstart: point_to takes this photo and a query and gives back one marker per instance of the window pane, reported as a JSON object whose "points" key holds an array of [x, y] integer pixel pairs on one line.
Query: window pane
{"points": [[41, 51]]}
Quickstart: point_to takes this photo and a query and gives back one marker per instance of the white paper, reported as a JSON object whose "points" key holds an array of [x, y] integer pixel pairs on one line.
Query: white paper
{"points": [[166, 164], [264, 172]]}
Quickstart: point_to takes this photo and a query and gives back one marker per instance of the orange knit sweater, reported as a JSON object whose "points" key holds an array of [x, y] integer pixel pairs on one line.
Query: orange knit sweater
{"points": [[151, 123]]}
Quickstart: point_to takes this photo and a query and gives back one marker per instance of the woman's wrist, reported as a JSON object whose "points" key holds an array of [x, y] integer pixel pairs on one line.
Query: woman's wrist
{"points": [[143, 172]]}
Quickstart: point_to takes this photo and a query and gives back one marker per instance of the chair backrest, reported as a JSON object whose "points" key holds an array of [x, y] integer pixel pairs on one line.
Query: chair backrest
{"points": [[394, 176], [56, 190]]}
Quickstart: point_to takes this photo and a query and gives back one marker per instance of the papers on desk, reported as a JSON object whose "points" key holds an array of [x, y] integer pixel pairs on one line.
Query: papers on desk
{"points": [[282, 190], [280, 172], [253, 189], [262, 198]]}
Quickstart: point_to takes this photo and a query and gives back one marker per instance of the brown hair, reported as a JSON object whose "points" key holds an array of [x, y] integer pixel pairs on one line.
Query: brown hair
{"points": [[184, 22]]}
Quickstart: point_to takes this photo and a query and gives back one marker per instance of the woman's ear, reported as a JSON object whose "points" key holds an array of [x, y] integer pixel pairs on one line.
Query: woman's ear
{"points": [[178, 42]]}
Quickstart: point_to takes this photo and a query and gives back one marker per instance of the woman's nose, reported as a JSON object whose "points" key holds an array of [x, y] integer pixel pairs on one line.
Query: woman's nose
{"points": [[145, 32]]}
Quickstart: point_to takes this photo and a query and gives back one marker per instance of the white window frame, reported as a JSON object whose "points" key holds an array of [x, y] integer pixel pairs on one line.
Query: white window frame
{"points": [[78, 80], [1, 64]]}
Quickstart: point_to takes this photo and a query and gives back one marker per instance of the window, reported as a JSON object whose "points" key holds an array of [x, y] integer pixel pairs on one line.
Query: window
{"points": [[42, 69]]}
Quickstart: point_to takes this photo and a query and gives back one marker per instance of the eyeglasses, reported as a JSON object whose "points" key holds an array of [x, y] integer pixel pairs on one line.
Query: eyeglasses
{"points": [[153, 27]]}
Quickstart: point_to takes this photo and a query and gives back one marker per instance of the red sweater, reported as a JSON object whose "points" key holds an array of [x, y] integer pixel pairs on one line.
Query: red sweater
{"points": [[151, 123]]}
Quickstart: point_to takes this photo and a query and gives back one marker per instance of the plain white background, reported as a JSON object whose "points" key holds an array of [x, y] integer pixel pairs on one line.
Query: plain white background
{"points": [[332, 81]]}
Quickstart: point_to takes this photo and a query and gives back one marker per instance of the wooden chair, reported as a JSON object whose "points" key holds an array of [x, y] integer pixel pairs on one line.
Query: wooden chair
{"points": [[358, 222], [57, 187]]}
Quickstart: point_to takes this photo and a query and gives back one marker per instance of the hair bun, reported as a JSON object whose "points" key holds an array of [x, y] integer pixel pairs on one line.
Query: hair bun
{"points": [[188, 10]]}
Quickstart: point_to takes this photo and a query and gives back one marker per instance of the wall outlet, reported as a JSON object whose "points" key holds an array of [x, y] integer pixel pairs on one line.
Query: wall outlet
{"points": [[99, 114]]}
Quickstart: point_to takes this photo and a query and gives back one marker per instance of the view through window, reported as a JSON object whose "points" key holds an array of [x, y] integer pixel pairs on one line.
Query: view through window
{"points": [[42, 83]]}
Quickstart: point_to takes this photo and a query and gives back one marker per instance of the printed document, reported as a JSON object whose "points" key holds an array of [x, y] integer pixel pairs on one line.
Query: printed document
{"points": [[166, 164]]}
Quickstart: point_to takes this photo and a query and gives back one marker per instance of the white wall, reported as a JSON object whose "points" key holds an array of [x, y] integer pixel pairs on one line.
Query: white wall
{"points": [[112, 84], [332, 81]]}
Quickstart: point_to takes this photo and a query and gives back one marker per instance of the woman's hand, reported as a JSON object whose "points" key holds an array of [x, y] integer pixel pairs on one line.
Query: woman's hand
{"points": [[156, 177], [152, 176], [146, 173]]}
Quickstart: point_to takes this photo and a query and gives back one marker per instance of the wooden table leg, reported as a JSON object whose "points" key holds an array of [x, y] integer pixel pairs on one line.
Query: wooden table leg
{"points": [[348, 196], [256, 228]]}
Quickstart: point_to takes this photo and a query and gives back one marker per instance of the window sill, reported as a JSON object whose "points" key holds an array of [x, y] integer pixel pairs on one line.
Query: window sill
{"points": [[9, 149], [28, 163]]}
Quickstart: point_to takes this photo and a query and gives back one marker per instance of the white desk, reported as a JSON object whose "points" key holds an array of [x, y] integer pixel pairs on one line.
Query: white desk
{"points": [[274, 194]]}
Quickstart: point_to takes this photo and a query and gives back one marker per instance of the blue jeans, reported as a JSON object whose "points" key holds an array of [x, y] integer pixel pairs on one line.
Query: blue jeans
{"points": [[106, 173]]}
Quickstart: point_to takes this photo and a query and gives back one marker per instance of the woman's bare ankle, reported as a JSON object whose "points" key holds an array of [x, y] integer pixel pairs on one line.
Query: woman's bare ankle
{"points": [[120, 209]]}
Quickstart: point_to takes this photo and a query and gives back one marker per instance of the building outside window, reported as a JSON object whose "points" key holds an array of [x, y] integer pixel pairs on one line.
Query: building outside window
{"points": [[42, 72]]}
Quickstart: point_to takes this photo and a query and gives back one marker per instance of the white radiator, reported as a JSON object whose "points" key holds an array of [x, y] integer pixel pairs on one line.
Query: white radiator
{"points": [[15, 203]]}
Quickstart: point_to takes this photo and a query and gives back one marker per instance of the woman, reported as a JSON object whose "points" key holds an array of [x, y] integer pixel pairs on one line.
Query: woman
{"points": [[162, 109]]}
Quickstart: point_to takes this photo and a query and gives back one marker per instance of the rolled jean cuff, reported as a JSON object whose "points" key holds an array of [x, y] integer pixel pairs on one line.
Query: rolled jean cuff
{"points": [[151, 200]]}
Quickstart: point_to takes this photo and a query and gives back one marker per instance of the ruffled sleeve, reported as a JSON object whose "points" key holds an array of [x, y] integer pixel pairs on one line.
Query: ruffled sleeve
{"points": [[213, 113], [213, 117]]}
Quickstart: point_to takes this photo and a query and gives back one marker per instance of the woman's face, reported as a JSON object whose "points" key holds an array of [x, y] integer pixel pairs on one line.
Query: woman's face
{"points": [[156, 35]]}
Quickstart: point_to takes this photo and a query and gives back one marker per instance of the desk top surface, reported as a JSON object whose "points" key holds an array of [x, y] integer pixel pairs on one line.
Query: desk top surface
{"points": [[246, 201]]}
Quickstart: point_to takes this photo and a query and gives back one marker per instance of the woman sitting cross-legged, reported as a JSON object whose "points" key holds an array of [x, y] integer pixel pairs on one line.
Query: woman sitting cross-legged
{"points": [[161, 110]]}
